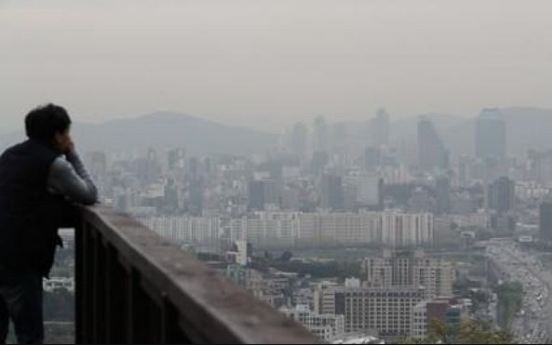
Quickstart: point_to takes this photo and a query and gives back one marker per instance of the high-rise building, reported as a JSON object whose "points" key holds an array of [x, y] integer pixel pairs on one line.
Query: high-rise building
{"points": [[186, 229], [339, 137], [380, 128], [194, 168], [350, 192], [387, 311], [196, 190], [501, 195], [255, 195], [176, 158], [331, 192], [399, 230], [148, 169], [172, 199], [369, 192], [320, 139], [490, 135], [432, 153], [372, 158], [410, 269], [386, 228], [465, 170], [442, 194], [262, 193], [540, 166], [242, 253], [298, 142], [270, 229], [319, 161], [546, 220], [324, 298], [285, 230]]}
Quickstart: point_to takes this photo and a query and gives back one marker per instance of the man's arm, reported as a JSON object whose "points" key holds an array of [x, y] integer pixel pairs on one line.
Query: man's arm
{"points": [[70, 178]]}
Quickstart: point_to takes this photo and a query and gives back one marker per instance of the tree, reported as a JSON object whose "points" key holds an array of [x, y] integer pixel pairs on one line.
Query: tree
{"points": [[468, 332], [440, 331], [286, 256], [510, 301], [472, 332]]}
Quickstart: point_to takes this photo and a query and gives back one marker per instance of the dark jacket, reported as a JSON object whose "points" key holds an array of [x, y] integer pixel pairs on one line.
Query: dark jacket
{"points": [[30, 216]]}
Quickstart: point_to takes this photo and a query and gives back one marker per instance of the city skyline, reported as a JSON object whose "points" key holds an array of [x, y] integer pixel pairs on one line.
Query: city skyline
{"points": [[257, 171]]}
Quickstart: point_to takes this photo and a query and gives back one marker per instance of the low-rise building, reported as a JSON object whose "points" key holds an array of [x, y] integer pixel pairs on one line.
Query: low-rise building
{"points": [[326, 327]]}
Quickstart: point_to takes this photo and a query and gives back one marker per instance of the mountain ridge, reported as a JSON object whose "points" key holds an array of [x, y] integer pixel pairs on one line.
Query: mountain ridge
{"points": [[162, 130]]}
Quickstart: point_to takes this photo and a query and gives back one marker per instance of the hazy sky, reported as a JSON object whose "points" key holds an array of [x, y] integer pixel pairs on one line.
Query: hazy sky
{"points": [[265, 63]]}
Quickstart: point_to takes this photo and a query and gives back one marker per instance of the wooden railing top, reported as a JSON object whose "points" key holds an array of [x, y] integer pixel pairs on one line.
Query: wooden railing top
{"points": [[217, 309]]}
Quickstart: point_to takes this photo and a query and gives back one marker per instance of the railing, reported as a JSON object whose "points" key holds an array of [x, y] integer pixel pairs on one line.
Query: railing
{"points": [[134, 287]]}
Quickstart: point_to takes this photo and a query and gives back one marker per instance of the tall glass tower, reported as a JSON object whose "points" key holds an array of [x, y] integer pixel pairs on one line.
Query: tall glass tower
{"points": [[490, 135], [432, 153]]}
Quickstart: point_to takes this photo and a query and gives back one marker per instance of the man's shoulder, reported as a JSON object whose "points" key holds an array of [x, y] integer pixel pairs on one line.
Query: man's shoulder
{"points": [[16, 147], [33, 148]]}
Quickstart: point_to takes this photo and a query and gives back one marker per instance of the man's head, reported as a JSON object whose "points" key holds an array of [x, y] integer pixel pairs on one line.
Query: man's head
{"points": [[50, 124]]}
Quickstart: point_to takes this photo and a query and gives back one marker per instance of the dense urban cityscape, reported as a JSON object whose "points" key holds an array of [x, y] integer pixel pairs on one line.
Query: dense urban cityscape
{"points": [[360, 241], [282, 171]]}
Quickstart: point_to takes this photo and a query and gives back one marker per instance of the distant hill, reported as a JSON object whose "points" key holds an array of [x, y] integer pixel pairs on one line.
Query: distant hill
{"points": [[527, 128], [166, 130]]}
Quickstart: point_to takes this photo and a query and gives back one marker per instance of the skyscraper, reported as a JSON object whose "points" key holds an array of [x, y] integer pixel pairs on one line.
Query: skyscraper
{"points": [[196, 189], [262, 193], [319, 161], [339, 137], [490, 135], [380, 128], [372, 158], [442, 194], [256, 195], [332, 192], [546, 220], [299, 139], [501, 195], [432, 153], [320, 139], [176, 158]]}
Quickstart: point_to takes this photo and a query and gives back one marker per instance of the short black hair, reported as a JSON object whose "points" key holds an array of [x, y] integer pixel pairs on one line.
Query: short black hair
{"points": [[43, 122]]}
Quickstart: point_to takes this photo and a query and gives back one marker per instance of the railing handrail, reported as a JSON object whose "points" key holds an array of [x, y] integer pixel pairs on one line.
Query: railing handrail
{"points": [[216, 309]]}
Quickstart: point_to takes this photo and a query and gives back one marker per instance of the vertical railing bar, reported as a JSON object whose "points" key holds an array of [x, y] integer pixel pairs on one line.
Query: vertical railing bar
{"points": [[164, 320], [95, 289], [80, 329], [101, 278], [171, 331], [108, 281], [128, 297], [130, 306], [87, 282]]}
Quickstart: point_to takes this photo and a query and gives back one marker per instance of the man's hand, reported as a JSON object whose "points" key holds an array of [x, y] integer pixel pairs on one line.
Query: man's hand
{"points": [[70, 147]]}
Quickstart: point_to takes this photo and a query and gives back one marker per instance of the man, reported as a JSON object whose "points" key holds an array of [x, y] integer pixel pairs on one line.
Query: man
{"points": [[40, 181]]}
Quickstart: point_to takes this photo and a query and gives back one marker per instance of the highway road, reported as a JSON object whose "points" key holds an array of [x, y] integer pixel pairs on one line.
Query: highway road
{"points": [[532, 325]]}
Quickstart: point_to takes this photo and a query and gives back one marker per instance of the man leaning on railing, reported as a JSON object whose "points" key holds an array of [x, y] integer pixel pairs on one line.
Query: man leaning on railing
{"points": [[41, 180]]}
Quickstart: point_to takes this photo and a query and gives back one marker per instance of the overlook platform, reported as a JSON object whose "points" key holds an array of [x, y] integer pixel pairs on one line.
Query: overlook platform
{"points": [[134, 287]]}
